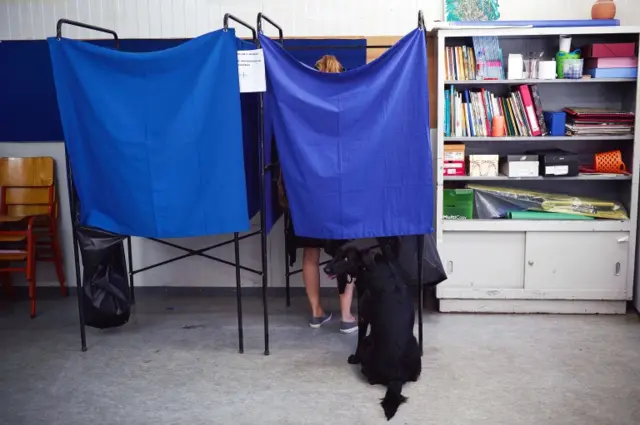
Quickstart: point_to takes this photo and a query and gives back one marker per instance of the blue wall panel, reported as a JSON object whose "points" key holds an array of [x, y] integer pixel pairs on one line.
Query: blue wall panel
{"points": [[28, 105]]}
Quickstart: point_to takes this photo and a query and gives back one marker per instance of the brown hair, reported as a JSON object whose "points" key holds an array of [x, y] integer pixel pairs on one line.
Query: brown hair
{"points": [[329, 63]]}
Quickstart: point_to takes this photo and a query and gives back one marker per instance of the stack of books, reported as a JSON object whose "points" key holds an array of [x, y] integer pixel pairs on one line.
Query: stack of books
{"points": [[469, 113], [480, 62], [611, 60], [598, 122], [460, 63]]}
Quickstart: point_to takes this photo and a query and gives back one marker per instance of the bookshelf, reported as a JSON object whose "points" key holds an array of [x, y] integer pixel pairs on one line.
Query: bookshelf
{"points": [[538, 265], [501, 177], [537, 81], [535, 139]]}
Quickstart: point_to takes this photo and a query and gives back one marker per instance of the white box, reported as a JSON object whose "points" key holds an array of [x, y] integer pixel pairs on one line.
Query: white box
{"points": [[521, 166], [483, 165]]}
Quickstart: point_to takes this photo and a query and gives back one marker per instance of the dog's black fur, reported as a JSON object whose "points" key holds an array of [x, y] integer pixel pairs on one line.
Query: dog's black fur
{"points": [[390, 354]]}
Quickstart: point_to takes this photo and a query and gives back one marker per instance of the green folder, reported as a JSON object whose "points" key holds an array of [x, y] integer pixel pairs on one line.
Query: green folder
{"points": [[538, 215]]}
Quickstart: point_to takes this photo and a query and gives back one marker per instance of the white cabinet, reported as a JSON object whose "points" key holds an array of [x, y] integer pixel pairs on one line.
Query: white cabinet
{"points": [[577, 265], [520, 268], [474, 260]]}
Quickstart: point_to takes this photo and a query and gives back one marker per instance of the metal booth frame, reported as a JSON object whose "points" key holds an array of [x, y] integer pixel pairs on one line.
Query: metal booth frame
{"points": [[189, 252], [420, 238]]}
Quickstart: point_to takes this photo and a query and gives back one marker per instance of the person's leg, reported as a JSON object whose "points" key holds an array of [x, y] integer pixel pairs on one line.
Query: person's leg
{"points": [[348, 323], [311, 277]]}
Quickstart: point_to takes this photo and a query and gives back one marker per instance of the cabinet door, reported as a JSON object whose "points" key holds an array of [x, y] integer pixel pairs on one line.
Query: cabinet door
{"points": [[483, 259], [576, 264]]}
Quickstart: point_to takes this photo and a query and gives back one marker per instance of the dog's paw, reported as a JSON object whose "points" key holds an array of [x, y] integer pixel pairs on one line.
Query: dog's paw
{"points": [[353, 359]]}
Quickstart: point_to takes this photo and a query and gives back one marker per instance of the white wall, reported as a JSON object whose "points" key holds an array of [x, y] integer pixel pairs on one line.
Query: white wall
{"points": [[35, 19], [29, 19]]}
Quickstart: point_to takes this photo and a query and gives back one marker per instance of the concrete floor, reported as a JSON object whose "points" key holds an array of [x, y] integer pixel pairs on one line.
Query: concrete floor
{"points": [[493, 370]]}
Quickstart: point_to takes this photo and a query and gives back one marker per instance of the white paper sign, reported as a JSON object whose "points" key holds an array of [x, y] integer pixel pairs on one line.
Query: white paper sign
{"points": [[251, 71]]}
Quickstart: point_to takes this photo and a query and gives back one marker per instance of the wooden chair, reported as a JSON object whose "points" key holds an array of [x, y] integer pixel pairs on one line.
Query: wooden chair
{"points": [[28, 219]]}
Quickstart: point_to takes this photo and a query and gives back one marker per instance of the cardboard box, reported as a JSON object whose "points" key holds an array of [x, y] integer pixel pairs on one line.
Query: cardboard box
{"points": [[483, 165], [557, 162], [521, 166], [629, 62], [454, 152], [454, 168], [609, 50]]}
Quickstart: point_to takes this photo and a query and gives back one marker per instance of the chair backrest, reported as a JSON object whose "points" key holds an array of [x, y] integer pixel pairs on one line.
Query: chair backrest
{"points": [[27, 186]]}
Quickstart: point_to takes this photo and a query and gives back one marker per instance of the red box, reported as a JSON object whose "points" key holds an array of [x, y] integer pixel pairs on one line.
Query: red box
{"points": [[609, 50], [454, 168], [629, 62]]}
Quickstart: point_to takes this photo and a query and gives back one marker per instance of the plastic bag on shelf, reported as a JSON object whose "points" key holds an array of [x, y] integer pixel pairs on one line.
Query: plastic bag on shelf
{"points": [[498, 202]]}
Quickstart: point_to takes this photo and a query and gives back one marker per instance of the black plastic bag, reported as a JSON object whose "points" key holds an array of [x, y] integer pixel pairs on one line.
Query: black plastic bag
{"points": [[402, 251], [432, 269], [105, 285]]}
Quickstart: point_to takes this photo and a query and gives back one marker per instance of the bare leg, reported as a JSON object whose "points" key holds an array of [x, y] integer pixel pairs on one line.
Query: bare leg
{"points": [[311, 277], [345, 304]]}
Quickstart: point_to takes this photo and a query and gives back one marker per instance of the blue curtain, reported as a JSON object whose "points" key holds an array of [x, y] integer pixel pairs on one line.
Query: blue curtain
{"points": [[154, 139], [354, 147], [350, 53]]}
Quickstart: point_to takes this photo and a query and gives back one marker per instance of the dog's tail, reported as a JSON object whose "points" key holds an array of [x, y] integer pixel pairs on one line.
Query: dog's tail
{"points": [[393, 399]]}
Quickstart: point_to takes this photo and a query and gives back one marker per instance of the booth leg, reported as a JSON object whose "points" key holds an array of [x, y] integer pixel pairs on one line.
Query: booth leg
{"points": [[420, 292], [79, 293], [288, 287], [76, 254], [236, 246], [287, 271], [263, 237], [131, 282]]}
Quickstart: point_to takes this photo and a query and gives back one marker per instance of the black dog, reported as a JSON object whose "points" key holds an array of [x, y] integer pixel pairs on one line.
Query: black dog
{"points": [[390, 354]]}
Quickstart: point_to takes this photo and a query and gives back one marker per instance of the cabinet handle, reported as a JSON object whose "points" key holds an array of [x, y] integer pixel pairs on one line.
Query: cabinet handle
{"points": [[530, 263], [617, 272], [623, 239], [450, 266]]}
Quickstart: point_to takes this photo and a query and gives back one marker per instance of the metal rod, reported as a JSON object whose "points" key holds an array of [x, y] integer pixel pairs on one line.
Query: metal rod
{"points": [[236, 246], [337, 47], [72, 191], [420, 292], [76, 255], [240, 238], [421, 237], [230, 241], [131, 282], [162, 263], [262, 16], [229, 16], [300, 270], [193, 252], [263, 219], [295, 272], [287, 269], [86, 26], [180, 257]]}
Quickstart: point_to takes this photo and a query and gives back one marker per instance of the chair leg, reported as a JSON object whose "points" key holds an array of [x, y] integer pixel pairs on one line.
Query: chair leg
{"points": [[31, 271], [57, 261], [32, 297]]}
